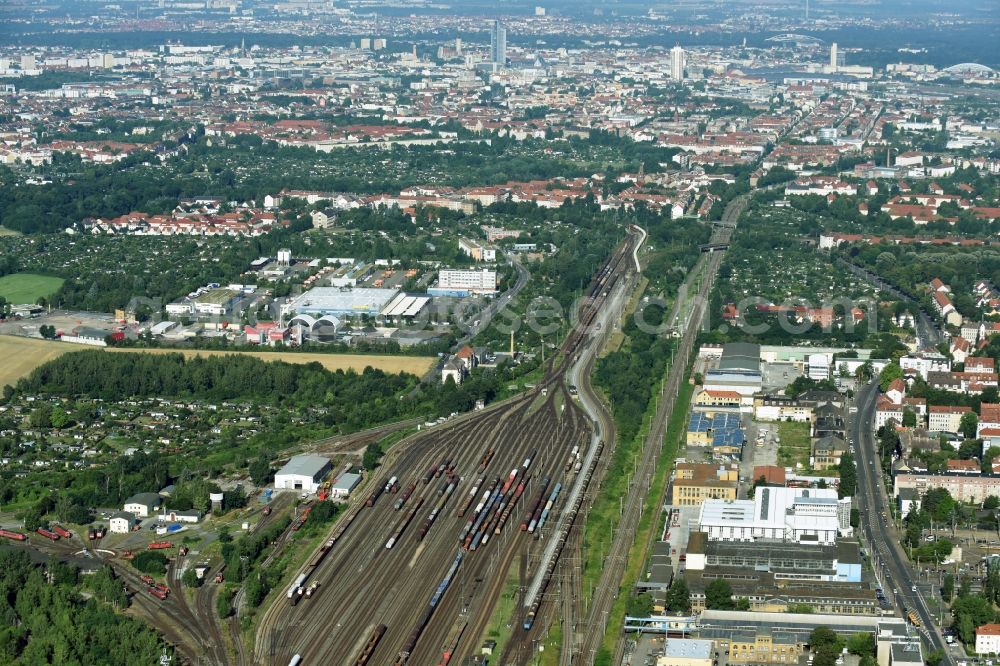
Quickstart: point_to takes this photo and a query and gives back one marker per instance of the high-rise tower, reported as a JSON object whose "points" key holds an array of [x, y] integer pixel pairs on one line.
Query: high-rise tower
{"points": [[677, 63], [498, 44]]}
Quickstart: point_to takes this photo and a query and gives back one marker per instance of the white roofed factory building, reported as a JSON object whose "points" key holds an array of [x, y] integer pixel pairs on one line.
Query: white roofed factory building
{"points": [[302, 473], [794, 515]]}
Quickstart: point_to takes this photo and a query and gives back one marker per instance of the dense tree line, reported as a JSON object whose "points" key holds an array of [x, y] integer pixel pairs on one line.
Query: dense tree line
{"points": [[49, 622], [629, 375], [97, 374]]}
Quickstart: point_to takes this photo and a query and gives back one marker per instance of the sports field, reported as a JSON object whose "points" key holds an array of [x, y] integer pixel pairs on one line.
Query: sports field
{"points": [[25, 354], [21, 288]]}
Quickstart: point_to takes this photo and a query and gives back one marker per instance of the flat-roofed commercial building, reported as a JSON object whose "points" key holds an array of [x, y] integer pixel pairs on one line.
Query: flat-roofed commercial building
{"points": [[802, 515], [738, 370], [340, 302], [463, 282], [840, 562], [686, 652]]}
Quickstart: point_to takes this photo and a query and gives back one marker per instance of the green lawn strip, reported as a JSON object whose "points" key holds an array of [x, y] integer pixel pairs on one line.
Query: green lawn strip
{"points": [[549, 656], [20, 288], [501, 625], [639, 551]]}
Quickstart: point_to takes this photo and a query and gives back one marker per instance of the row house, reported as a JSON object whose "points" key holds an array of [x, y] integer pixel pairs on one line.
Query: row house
{"points": [[821, 185], [924, 363], [945, 309], [945, 418], [962, 382]]}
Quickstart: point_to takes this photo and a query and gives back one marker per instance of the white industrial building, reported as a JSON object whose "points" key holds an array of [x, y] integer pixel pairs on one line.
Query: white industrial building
{"points": [[818, 366], [186, 516], [302, 473], [794, 515], [473, 281], [320, 301], [142, 505], [342, 487], [405, 306], [121, 522], [738, 370]]}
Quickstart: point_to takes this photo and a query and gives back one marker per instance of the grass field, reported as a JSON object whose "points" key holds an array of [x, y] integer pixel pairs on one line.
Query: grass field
{"points": [[22, 355], [794, 448], [27, 287], [4, 231]]}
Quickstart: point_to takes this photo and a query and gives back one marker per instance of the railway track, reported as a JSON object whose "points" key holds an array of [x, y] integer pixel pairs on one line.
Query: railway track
{"points": [[616, 560], [363, 584]]}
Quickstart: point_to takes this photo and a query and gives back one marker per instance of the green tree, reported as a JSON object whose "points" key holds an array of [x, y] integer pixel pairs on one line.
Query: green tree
{"points": [[848, 476], [909, 418], [934, 657], [190, 578], [719, 595], [150, 562], [639, 605], [260, 471], [968, 424], [823, 637], [939, 504], [41, 416], [256, 588], [678, 597], [991, 503], [861, 644], [948, 587], [372, 456], [970, 612], [59, 418], [224, 602], [890, 373]]}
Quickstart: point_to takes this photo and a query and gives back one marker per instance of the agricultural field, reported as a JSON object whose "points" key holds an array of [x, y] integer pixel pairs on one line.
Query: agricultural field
{"points": [[28, 287], [22, 355], [25, 354]]}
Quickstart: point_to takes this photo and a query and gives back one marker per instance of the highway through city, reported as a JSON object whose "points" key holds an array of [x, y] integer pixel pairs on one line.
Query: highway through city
{"points": [[887, 556], [365, 584]]}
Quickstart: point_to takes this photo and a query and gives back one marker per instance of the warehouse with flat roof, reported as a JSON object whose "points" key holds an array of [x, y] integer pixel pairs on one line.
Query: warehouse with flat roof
{"points": [[340, 302], [738, 370]]}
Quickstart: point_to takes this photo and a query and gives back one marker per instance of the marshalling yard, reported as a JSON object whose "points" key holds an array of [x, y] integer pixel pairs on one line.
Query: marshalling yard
{"points": [[412, 574]]}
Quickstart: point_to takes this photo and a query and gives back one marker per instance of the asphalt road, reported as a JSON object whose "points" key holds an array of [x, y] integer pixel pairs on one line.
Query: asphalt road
{"points": [[478, 321], [928, 334], [885, 549]]}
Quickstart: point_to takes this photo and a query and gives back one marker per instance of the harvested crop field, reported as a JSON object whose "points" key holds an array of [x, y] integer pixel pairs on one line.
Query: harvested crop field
{"points": [[22, 355]]}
